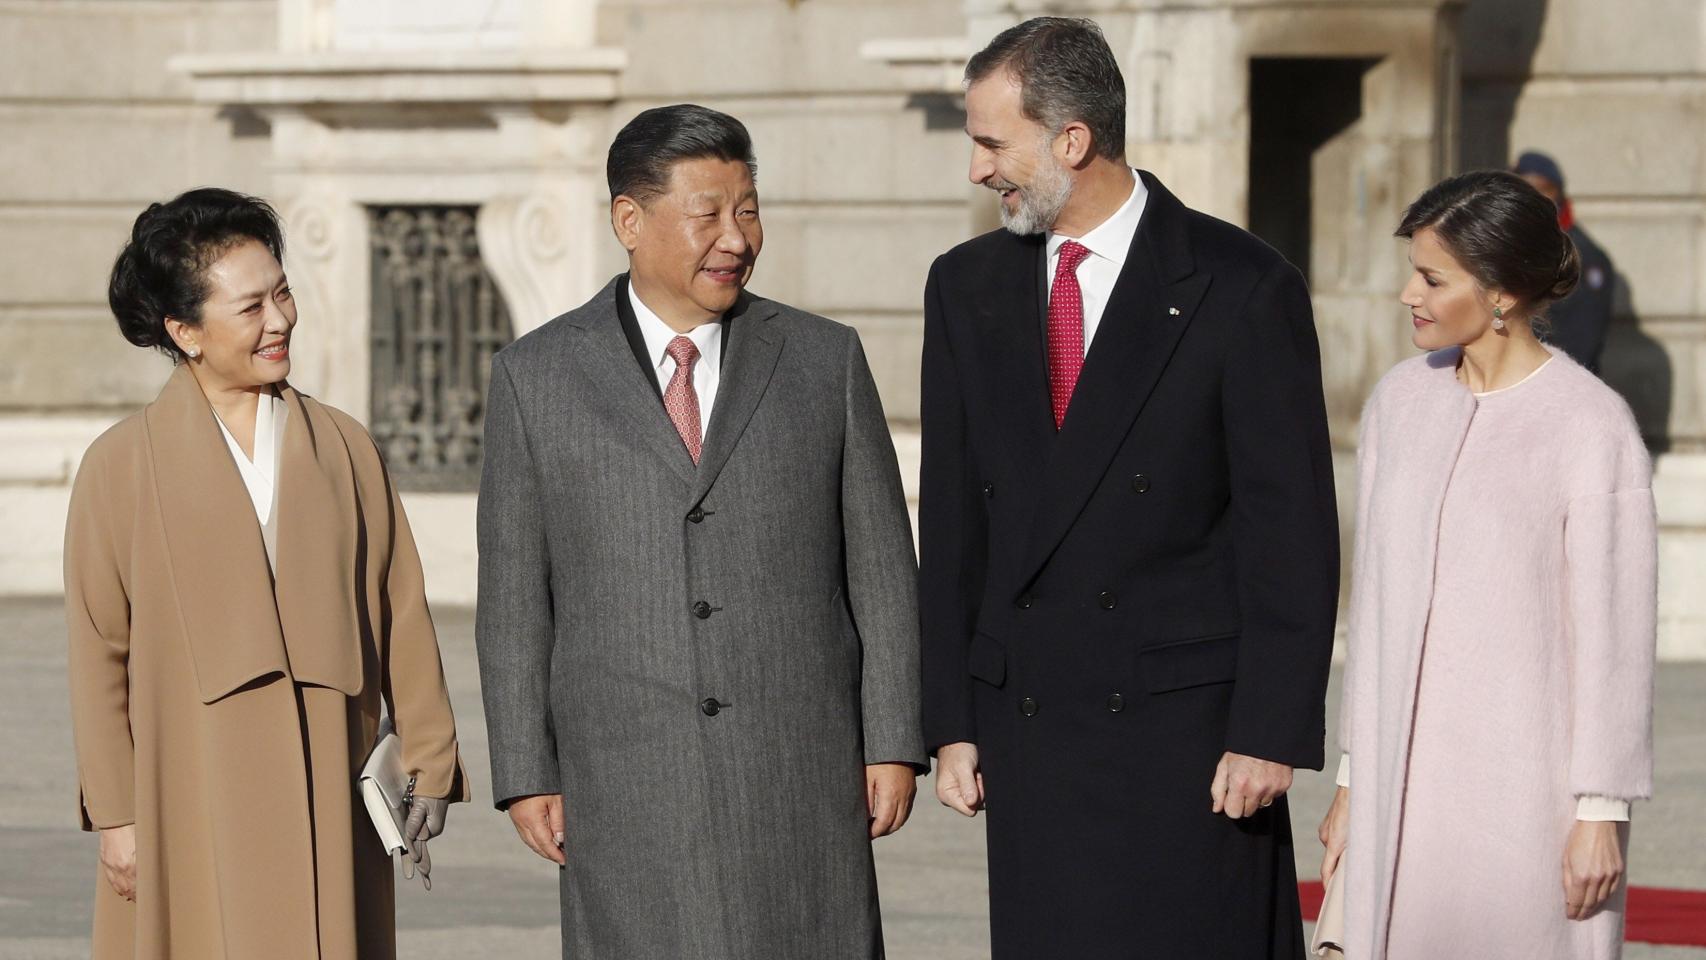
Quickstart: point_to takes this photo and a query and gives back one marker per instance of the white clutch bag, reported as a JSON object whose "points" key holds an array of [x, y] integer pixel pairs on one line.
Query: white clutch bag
{"points": [[1329, 936], [386, 788]]}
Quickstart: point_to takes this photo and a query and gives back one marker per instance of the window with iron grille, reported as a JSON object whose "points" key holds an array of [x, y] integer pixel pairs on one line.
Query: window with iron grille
{"points": [[437, 320]]}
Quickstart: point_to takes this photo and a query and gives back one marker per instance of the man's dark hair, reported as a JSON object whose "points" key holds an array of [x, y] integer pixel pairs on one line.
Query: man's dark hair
{"points": [[652, 143], [1065, 72], [1503, 231], [161, 272]]}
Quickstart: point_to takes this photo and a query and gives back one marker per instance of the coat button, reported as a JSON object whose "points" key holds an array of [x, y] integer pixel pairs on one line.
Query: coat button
{"points": [[989, 489], [1140, 484], [1107, 600], [1024, 601], [710, 707], [1028, 707], [696, 515], [1116, 703], [702, 610]]}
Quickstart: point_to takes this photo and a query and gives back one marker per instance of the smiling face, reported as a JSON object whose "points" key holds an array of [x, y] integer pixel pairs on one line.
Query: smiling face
{"points": [[692, 248], [1448, 306], [1015, 156], [242, 339]]}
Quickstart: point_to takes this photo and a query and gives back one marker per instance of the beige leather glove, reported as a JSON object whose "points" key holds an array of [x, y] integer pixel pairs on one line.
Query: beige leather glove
{"points": [[426, 820]]}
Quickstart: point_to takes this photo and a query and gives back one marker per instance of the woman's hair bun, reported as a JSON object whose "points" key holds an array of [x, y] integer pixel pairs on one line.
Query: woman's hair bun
{"points": [[160, 271], [1503, 231], [1569, 271]]}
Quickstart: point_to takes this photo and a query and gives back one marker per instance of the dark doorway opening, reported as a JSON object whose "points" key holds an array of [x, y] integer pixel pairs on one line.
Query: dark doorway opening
{"points": [[1297, 104]]}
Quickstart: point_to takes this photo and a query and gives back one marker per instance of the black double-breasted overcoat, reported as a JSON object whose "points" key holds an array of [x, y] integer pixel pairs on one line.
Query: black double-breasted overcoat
{"points": [[1110, 607]]}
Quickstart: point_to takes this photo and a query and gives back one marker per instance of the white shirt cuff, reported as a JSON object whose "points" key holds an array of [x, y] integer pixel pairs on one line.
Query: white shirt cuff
{"points": [[1343, 778], [1602, 808]]}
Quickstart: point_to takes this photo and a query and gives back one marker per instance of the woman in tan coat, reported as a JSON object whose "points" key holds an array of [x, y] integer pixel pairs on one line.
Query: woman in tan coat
{"points": [[243, 598]]}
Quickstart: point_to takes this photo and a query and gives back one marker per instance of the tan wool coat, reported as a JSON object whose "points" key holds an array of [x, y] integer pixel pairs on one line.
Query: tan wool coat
{"points": [[226, 710]]}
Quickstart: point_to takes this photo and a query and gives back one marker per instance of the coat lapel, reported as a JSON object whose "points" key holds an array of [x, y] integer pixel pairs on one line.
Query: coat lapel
{"points": [[322, 550], [213, 541], [608, 365], [1149, 309], [752, 348], [1009, 345]]}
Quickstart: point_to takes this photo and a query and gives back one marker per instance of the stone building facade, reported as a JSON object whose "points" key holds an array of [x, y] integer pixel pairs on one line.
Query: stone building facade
{"points": [[440, 168]]}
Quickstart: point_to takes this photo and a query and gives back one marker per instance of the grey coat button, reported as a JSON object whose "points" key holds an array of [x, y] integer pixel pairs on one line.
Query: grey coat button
{"points": [[1107, 600], [702, 610], [696, 515], [1028, 707], [711, 707], [1116, 703], [1140, 484]]}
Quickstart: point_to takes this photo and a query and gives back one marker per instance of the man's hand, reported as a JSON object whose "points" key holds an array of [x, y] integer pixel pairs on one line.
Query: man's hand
{"points": [[1242, 785], [889, 789], [1593, 866], [958, 783], [118, 859], [539, 821], [1335, 826]]}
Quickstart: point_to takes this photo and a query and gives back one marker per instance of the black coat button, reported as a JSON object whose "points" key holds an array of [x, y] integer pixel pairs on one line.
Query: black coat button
{"points": [[1140, 484], [696, 515], [710, 707], [702, 610], [1024, 601], [989, 489], [1116, 703], [1028, 707], [1107, 600]]}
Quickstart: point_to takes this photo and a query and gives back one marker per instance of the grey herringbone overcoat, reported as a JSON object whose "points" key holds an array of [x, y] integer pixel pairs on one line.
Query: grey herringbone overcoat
{"points": [[702, 659]]}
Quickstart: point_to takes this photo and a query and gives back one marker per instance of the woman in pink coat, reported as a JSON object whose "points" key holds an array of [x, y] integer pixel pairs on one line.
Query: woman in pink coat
{"points": [[1497, 710]]}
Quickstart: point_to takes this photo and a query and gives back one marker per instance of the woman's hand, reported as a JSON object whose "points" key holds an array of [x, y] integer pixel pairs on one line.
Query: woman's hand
{"points": [[1334, 828], [1593, 866], [118, 859]]}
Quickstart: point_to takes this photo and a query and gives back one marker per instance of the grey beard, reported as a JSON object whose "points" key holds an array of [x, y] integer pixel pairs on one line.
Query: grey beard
{"points": [[1040, 203]]}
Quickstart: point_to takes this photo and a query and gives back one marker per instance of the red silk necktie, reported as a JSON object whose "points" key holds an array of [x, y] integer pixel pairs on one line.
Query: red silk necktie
{"points": [[679, 398], [1065, 329]]}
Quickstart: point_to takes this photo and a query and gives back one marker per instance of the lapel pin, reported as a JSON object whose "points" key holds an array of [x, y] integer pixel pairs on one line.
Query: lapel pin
{"points": [[1172, 311]]}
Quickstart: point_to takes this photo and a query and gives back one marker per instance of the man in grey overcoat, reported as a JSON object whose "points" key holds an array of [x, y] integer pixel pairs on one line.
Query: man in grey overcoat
{"points": [[697, 619]]}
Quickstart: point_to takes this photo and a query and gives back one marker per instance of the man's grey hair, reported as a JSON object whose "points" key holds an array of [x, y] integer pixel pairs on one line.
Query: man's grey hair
{"points": [[1066, 72]]}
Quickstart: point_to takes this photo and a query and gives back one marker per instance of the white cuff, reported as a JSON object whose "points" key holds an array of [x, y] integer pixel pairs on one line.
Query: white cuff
{"points": [[1344, 776], [1598, 808]]}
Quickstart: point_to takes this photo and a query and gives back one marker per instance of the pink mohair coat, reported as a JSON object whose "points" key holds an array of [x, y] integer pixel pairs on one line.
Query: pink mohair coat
{"points": [[1502, 634]]}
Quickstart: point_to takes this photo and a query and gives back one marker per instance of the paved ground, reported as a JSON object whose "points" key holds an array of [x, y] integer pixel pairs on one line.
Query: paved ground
{"points": [[493, 898]]}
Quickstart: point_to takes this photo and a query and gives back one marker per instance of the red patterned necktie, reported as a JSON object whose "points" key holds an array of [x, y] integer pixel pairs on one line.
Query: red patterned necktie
{"points": [[1065, 329], [679, 398]]}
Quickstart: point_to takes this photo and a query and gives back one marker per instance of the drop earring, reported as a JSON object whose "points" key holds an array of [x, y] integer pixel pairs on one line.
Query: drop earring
{"points": [[1498, 318]]}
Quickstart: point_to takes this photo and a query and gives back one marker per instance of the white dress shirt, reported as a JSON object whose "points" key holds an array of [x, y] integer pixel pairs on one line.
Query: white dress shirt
{"points": [[708, 337], [260, 474], [1108, 244], [1588, 806]]}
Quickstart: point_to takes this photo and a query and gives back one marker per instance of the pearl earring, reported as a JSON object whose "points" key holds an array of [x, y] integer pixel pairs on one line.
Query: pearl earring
{"points": [[194, 353], [1498, 318]]}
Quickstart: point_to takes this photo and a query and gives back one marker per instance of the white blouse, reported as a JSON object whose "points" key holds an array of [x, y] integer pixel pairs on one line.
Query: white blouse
{"points": [[260, 475]]}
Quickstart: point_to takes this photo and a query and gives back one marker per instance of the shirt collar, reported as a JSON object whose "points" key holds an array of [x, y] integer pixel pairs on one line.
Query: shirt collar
{"points": [[1111, 239], [657, 334]]}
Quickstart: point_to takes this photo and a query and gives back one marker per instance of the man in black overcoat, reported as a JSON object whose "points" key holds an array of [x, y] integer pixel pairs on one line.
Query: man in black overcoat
{"points": [[1128, 535]]}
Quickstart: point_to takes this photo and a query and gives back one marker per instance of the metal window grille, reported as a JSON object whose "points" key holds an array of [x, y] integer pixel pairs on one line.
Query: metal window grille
{"points": [[437, 320]]}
